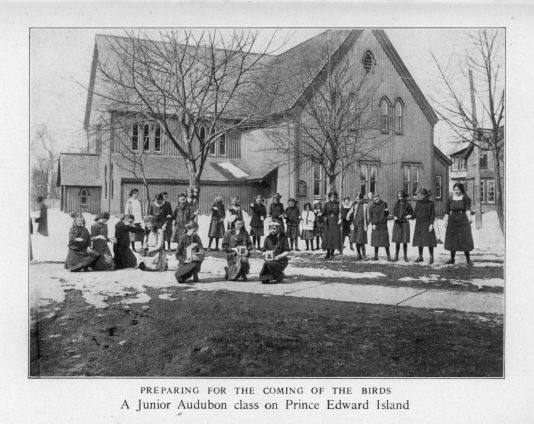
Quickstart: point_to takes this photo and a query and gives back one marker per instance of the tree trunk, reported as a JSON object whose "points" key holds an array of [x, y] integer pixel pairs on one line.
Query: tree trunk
{"points": [[498, 188], [147, 192]]}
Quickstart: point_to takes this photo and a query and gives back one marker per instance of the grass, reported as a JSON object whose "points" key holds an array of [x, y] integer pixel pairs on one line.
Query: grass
{"points": [[223, 334]]}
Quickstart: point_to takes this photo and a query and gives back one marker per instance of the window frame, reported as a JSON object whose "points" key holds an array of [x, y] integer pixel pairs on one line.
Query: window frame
{"points": [[399, 119], [439, 193], [146, 137], [408, 185], [384, 119], [82, 196], [463, 161], [368, 55], [221, 141], [488, 190], [321, 181], [368, 181], [157, 129], [135, 138], [483, 159]]}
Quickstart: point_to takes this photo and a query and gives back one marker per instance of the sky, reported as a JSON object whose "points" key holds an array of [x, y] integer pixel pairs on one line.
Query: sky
{"points": [[60, 63]]}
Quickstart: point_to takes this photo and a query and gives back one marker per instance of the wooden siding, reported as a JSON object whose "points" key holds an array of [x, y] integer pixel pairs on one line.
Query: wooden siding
{"points": [[70, 201], [443, 170], [246, 192]]}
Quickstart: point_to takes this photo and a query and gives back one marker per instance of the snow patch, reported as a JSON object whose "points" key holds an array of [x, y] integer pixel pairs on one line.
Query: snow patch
{"points": [[234, 170]]}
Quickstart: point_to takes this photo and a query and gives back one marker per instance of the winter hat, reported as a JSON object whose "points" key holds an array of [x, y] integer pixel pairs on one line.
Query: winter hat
{"points": [[291, 200], [360, 196], [402, 193], [424, 192], [159, 196], [277, 196], [274, 224], [332, 193]]}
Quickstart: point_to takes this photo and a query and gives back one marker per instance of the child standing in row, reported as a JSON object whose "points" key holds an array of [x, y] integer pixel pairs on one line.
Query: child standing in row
{"points": [[292, 215], [216, 230], [332, 221], [319, 224], [235, 211], [402, 212], [358, 218], [378, 212], [276, 211], [346, 206], [308, 226], [259, 213], [424, 234]]}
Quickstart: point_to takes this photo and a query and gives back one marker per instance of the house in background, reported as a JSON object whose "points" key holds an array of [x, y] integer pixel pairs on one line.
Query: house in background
{"points": [[245, 163], [474, 168]]}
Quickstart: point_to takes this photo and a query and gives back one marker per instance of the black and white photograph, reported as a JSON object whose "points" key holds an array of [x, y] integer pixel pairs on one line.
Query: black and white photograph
{"points": [[267, 202]]}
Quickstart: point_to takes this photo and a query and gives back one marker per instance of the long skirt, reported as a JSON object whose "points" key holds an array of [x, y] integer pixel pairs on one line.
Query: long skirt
{"points": [[273, 270], [380, 236], [124, 258], [257, 231], [401, 232], [216, 229], [346, 228], [319, 230], [331, 234], [105, 261], [178, 232], [168, 233], [186, 270], [77, 260], [292, 231], [458, 236], [137, 236], [421, 236], [237, 265], [307, 235], [155, 261], [359, 234]]}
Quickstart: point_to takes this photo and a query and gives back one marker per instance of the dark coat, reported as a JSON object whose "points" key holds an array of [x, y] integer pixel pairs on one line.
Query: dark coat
{"points": [[218, 213], [292, 215], [42, 220], [401, 226], [123, 256], [424, 218], [273, 270], [79, 256], [378, 213], [186, 269], [181, 216], [237, 265], [235, 212], [258, 211], [331, 211], [160, 212], [458, 236], [276, 212], [105, 262], [346, 224]]}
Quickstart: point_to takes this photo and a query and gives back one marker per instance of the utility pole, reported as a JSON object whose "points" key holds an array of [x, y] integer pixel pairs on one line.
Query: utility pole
{"points": [[476, 153]]}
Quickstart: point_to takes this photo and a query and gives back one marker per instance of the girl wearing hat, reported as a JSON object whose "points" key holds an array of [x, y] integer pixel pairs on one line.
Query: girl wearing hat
{"points": [[378, 212], [216, 230], [153, 254], [235, 211], [189, 266], [122, 255], [133, 207], [358, 218], [292, 215], [346, 207], [277, 245], [99, 238], [308, 225], [458, 221], [332, 222], [238, 265], [80, 256], [259, 213], [402, 212], [276, 211], [181, 216], [318, 228], [424, 234]]}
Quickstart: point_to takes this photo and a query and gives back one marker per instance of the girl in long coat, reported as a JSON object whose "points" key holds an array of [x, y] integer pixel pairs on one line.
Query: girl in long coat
{"points": [[216, 230], [189, 267], [276, 211], [161, 211], [235, 211], [259, 213], [458, 236], [238, 265], [378, 212], [42, 220], [331, 213], [424, 234], [358, 218], [99, 238], [319, 224], [292, 215], [133, 207], [122, 255], [402, 212], [153, 256], [308, 225], [80, 256], [167, 211], [276, 245], [346, 207], [181, 216]]}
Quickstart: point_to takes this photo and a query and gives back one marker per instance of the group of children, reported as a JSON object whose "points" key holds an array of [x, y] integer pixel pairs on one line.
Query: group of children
{"points": [[328, 225]]}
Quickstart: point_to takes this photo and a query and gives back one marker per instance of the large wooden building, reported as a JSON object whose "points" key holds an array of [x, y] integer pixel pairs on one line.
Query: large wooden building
{"points": [[245, 163]]}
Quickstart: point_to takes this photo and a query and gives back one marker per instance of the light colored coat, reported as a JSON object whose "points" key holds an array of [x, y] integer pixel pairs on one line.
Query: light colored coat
{"points": [[133, 207], [308, 220], [366, 217]]}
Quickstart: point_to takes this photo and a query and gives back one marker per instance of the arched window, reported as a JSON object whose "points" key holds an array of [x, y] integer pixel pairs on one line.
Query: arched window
{"points": [[84, 196], [384, 115], [399, 110], [157, 138], [368, 61], [146, 137]]}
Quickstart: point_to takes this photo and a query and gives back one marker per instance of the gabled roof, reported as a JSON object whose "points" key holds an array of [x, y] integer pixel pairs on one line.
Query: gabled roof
{"points": [[442, 156], [464, 152], [78, 169]]}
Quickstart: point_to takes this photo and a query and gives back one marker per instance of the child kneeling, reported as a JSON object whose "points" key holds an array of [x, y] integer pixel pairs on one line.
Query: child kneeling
{"points": [[190, 254], [275, 251]]}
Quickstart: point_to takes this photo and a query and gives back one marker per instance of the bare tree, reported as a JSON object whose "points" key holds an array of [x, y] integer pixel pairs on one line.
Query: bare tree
{"points": [[484, 131], [45, 160], [195, 85]]}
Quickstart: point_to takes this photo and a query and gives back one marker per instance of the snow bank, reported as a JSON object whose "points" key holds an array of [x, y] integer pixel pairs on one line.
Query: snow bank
{"points": [[234, 170]]}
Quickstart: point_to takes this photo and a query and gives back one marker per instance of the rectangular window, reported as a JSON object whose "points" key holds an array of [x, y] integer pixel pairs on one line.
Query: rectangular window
{"points": [[135, 137], [410, 179], [482, 192], [222, 145], [157, 139], [483, 161], [414, 171], [463, 164], [406, 179], [146, 137], [320, 183], [439, 187], [491, 191], [368, 178], [372, 179], [364, 179]]}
